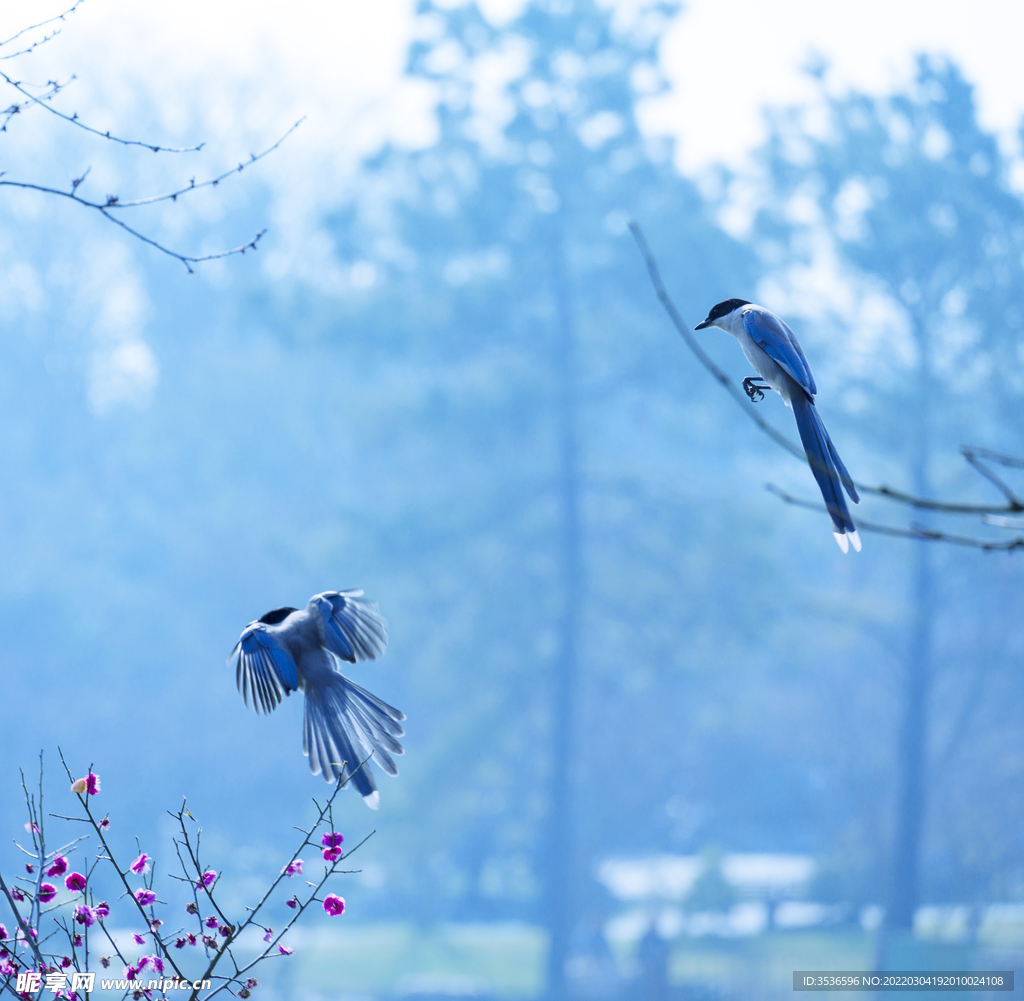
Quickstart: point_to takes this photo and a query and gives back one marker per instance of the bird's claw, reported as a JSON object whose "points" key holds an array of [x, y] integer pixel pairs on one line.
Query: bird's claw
{"points": [[753, 390]]}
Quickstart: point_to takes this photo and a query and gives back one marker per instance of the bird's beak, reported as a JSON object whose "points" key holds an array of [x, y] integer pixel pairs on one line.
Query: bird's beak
{"points": [[703, 324]]}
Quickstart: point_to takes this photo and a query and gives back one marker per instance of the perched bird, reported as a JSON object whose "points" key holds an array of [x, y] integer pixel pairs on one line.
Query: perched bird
{"points": [[289, 649], [772, 348]]}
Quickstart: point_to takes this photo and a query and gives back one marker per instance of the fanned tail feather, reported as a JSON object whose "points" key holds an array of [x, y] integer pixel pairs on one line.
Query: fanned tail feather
{"points": [[344, 727]]}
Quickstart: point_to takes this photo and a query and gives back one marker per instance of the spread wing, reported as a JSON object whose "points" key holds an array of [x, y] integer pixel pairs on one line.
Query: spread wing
{"points": [[263, 667], [355, 630], [780, 343]]}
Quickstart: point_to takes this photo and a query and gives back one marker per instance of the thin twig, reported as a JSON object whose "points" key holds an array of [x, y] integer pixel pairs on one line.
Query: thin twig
{"points": [[187, 259], [42, 24], [192, 186], [112, 204], [915, 531], [73, 119]]}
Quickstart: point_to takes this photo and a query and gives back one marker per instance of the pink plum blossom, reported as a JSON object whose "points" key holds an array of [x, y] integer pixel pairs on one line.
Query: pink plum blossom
{"points": [[269, 936], [17, 894], [65, 962], [31, 827], [129, 972], [7, 968], [155, 924], [334, 905], [293, 903], [144, 896], [30, 869], [102, 910], [139, 940], [285, 950], [293, 868], [141, 865], [3, 931], [58, 866], [90, 784], [85, 915], [104, 824], [47, 892], [332, 846], [212, 921], [75, 882]]}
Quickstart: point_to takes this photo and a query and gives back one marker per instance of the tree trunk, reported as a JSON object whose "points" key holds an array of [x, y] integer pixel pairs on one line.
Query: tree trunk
{"points": [[904, 879], [561, 875]]}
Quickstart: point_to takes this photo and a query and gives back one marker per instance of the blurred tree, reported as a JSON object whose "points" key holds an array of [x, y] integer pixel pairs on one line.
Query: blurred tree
{"points": [[521, 209], [909, 194]]}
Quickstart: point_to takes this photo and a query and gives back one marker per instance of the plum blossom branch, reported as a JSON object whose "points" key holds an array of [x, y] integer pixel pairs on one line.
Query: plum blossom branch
{"points": [[43, 957]]}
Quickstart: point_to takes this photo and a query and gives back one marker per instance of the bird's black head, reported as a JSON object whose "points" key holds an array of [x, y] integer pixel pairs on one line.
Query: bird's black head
{"points": [[722, 309], [276, 616]]}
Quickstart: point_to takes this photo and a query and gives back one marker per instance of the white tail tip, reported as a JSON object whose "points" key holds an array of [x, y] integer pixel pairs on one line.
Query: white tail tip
{"points": [[373, 800], [842, 542]]}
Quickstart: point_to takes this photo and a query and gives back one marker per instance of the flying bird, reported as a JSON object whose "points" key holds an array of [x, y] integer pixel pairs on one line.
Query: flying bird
{"points": [[772, 348], [344, 725]]}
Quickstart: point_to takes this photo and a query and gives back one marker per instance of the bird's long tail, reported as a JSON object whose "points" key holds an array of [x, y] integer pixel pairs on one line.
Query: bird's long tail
{"points": [[344, 727], [828, 470]]}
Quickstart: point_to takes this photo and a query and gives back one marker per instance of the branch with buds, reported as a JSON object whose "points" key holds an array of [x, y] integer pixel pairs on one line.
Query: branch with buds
{"points": [[30, 96]]}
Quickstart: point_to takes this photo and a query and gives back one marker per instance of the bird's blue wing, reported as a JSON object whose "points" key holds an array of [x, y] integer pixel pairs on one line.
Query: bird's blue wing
{"points": [[779, 343], [263, 667], [354, 628]]}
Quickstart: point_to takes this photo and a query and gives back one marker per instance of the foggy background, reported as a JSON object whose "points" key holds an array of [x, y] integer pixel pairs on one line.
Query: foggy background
{"points": [[629, 670]]}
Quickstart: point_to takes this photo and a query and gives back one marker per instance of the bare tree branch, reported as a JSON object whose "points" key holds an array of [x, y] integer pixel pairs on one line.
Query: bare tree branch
{"points": [[33, 27], [113, 203], [104, 209], [73, 119], [915, 531]]}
